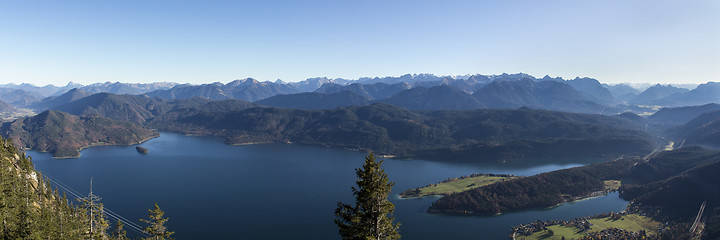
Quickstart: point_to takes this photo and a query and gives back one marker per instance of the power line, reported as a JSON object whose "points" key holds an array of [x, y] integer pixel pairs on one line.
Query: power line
{"points": [[696, 223], [118, 218], [108, 212], [127, 222], [66, 189]]}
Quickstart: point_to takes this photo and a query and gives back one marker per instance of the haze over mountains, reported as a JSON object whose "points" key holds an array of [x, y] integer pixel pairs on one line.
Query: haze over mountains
{"points": [[498, 119], [215, 108], [383, 128], [413, 91], [6, 107]]}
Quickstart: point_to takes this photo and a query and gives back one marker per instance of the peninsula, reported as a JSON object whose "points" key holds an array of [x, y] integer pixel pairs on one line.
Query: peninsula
{"points": [[456, 185], [64, 134]]}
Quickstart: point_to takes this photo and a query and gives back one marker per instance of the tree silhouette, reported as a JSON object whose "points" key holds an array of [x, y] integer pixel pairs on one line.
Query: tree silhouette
{"points": [[371, 217]]}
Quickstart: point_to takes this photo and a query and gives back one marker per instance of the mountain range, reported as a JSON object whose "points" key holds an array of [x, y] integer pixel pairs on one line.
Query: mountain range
{"points": [[379, 127], [583, 95], [622, 92], [656, 93], [501, 93], [474, 118], [41, 92], [17, 97], [247, 89], [53, 101], [127, 88], [702, 94], [593, 90], [370, 91]]}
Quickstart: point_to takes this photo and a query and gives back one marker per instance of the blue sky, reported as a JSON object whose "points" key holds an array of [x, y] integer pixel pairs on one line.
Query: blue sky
{"points": [[657, 41]]}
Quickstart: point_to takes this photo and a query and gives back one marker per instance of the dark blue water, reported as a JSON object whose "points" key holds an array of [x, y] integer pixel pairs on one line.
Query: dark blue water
{"points": [[211, 190]]}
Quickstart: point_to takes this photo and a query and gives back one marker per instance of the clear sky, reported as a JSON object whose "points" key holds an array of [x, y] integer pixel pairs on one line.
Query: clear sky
{"points": [[656, 41]]}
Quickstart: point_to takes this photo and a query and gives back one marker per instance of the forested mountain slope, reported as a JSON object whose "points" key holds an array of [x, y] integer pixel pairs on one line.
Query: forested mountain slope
{"points": [[471, 134], [441, 97], [676, 182], [30, 209], [681, 115], [315, 100], [703, 130], [539, 191], [65, 134], [386, 129]]}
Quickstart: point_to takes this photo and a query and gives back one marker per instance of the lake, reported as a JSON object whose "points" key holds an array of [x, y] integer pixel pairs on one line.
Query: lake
{"points": [[211, 190]]}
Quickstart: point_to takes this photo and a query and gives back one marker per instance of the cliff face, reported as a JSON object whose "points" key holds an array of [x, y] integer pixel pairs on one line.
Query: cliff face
{"points": [[64, 134], [31, 209]]}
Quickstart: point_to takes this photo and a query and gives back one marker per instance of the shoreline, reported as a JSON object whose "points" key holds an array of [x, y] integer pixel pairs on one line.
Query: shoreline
{"points": [[527, 209], [583, 198], [98, 144], [399, 196], [251, 143], [416, 193], [593, 195]]}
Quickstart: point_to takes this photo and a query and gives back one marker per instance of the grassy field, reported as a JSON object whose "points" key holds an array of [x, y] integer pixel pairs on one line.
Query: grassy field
{"points": [[612, 185], [559, 232], [459, 185], [630, 222]]}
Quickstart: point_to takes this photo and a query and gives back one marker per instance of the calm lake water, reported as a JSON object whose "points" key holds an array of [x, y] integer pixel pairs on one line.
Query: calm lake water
{"points": [[211, 190]]}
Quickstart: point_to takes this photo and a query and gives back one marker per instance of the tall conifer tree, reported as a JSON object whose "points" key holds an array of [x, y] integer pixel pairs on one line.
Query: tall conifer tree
{"points": [[96, 224], [29, 209], [371, 217], [156, 228], [118, 233]]}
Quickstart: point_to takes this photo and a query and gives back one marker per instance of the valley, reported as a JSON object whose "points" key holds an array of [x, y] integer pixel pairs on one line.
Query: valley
{"points": [[255, 187], [386, 120], [584, 156]]}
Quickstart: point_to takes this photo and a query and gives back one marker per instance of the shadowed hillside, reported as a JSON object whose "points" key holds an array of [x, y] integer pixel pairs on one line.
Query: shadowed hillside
{"points": [[64, 134], [442, 97], [488, 134], [69, 96], [550, 95], [315, 100], [676, 182], [385, 129]]}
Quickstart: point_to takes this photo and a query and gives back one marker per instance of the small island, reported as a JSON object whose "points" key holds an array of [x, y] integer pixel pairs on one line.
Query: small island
{"points": [[457, 184], [65, 135], [142, 150]]}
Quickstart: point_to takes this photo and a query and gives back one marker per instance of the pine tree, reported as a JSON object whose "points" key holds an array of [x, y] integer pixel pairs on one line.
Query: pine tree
{"points": [[156, 228], [29, 208], [96, 223], [25, 199], [371, 217], [119, 233]]}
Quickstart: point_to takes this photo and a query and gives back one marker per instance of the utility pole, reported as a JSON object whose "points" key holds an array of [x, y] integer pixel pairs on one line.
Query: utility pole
{"points": [[90, 198], [94, 207]]}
